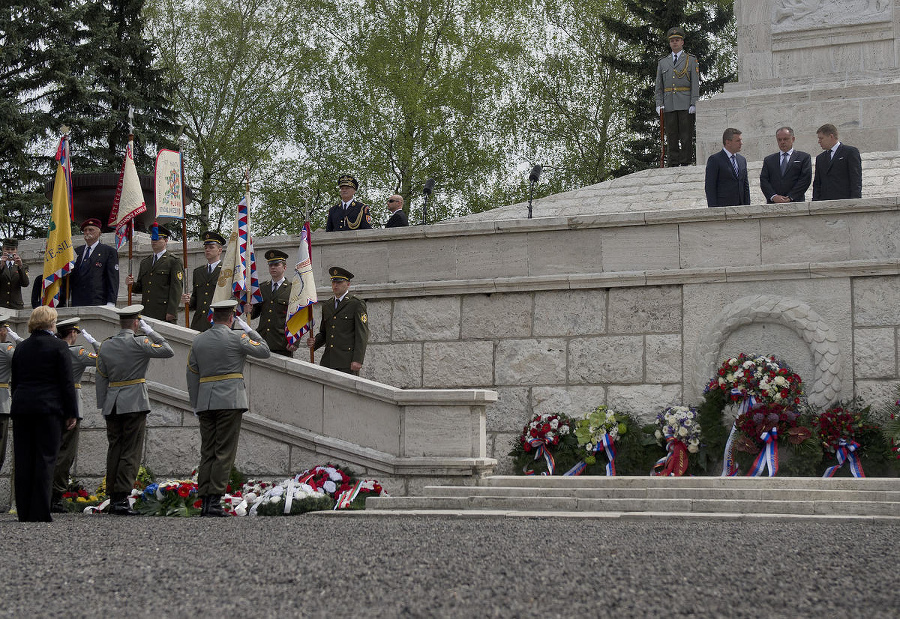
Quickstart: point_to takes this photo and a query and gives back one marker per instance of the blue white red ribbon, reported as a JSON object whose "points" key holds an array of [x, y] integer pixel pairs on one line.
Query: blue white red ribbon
{"points": [[610, 448], [768, 457], [540, 449], [729, 466], [846, 452]]}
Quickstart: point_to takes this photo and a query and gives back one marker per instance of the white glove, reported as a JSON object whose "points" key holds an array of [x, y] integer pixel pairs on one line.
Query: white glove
{"points": [[111, 304], [145, 327], [243, 325], [13, 334], [88, 337], [659, 108], [692, 109]]}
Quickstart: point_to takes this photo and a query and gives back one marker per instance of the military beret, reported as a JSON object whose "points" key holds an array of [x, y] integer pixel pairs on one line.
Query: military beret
{"points": [[337, 273], [132, 311], [675, 32], [224, 304], [69, 324], [10, 242], [347, 180], [91, 222], [276, 255], [213, 237]]}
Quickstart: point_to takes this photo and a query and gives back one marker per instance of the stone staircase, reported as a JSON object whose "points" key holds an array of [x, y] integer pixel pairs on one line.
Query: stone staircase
{"points": [[787, 496]]}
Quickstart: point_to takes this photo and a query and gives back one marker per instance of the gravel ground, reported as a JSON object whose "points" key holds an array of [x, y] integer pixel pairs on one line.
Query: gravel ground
{"points": [[445, 566]]}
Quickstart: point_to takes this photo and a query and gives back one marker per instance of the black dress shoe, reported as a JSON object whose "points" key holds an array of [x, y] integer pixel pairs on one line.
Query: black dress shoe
{"points": [[122, 508], [214, 507], [58, 507]]}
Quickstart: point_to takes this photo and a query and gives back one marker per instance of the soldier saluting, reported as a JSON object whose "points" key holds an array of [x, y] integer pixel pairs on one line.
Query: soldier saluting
{"points": [[344, 329]]}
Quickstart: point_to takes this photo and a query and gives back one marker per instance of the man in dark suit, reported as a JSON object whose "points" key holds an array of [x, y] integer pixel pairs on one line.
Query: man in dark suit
{"points": [[204, 280], [726, 173], [160, 280], [95, 278], [344, 330], [348, 214], [13, 275], [786, 175], [398, 217], [838, 169], [43, 404], [272, 312]]}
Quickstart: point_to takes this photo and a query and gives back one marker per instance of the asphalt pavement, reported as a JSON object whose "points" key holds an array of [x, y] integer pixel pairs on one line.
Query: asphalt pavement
{"points": [[360, 565]]}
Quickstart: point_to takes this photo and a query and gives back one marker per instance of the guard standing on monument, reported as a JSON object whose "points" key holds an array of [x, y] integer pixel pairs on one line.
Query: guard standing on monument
{"points": [[348, 214], [272, 312], [95, 278], [203, 283], [6, 352], [123, 398], [160, 280], [68, 330], [344, 329], [13, 275], [677, 93], [218, 395]]}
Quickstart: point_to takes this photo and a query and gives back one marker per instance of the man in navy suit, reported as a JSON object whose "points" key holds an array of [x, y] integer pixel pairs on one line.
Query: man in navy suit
{"points": [[726, 173], [838, 169], [398, 217], [95, 277], [786, 175]]}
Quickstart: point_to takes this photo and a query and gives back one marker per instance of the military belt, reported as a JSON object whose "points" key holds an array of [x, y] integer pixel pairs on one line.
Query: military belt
{"points": [[125, 383], [678, 88], [78, 385], [212, 379], [4, 385]]}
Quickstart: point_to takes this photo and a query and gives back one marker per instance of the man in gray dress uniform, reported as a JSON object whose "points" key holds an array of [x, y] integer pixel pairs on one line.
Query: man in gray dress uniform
{"points": [[677, 93], [6, 352], [123, 397], [82, 359], [215, 383]]}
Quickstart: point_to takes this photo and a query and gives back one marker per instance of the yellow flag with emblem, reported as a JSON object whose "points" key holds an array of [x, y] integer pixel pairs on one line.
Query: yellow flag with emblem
{"points": [[59, 256]]}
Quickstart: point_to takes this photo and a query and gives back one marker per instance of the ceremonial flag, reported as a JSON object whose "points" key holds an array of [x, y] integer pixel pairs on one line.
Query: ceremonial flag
{"points": [[169, 195], [303, 292], [238, 278], [59, 257], [129, 202]]}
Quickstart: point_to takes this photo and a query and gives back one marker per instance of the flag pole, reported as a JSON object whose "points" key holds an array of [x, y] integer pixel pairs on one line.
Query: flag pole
{"points": [[309, 323], [187, 306], [247, 293], [130, 271]]}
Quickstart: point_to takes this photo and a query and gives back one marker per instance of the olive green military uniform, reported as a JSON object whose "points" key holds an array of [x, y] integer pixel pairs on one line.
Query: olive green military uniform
{"points": [[203, 285], [160, 285], [344, 332], [272, 314], [68, 449], [219, 397], [12, 280], [6, 352], [123, 397]]}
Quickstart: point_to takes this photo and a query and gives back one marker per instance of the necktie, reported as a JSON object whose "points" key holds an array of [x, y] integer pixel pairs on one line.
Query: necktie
{"points": [[674, 58], [274, 287], [336, 303], [154, 260], [87, 255], [734, 166], [831, 156], [209, 269], [784, 162]]}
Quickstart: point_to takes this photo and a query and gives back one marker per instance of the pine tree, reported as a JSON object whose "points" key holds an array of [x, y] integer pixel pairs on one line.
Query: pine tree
{"points": [[710, 34]]}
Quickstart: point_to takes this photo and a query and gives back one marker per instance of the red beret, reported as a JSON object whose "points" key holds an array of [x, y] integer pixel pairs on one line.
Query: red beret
{"points": [[91, 222]]}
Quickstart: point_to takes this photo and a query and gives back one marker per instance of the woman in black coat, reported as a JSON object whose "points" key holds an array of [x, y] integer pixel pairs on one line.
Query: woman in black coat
{"points": [[43, 403]]}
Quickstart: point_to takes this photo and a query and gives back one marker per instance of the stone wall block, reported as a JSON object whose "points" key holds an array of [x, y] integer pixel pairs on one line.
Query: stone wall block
{"points": [[876, 301], [645, 310], [574, 401], [172, 452], [379, 314], [491, 316], [531, 362], [570, 312], [458, 364], [643, 401], [511, 410], [91, 458], [720, 244], [640, 248], [262, 455], [426, 318], [874, 353], [398, 365], [791, 239], [663, 362], [603, 360]]}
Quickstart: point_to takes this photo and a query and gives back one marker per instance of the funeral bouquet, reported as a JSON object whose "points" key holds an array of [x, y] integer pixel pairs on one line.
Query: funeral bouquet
{"points": [[679, 432], [287, 498], [173, 497], [546, 444], [759, 379], [754, 423], [840, 426], [599, 428]]}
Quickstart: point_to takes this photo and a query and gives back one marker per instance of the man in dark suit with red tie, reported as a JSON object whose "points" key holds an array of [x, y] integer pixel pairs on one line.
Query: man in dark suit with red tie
{"points": [[95, 278], [838, 169], [786, 175], [726, 173]]}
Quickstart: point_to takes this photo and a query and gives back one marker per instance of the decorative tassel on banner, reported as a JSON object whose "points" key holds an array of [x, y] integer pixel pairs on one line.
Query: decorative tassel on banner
{"points": [[729, 466], [846, 452], [768, 457], [540, 449], [674, 463]]}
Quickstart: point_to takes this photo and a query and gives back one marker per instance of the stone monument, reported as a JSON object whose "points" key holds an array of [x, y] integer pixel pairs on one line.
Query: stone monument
{"points": [[805, 63]]}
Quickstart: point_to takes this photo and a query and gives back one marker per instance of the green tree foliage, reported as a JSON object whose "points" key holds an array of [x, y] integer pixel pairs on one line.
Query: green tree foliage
{"points": [[709, 27]]}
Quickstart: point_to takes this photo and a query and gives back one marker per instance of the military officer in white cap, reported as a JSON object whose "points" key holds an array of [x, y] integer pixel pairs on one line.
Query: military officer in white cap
{"points": [[82, 359], [215, 383], [123, 397]]}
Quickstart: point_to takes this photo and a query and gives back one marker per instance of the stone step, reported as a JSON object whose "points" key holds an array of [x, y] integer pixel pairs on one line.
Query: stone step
{"points": [[756, 494], [668, 506], [591, 481]]}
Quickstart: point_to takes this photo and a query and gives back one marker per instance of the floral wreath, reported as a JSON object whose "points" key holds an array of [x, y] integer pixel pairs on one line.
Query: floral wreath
{"points": [[542, 440], [598, 432], [678, 430]]}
